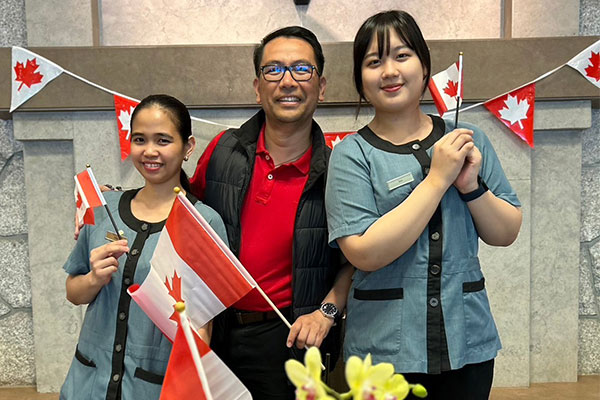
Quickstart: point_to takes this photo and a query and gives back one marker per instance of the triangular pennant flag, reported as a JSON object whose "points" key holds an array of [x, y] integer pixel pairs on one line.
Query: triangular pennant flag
{"points": [[515, 110], [124, 108], [190, 264], [30, 73], [588, 63], [87, 196], [333, 138], [443, 87], [182, 381]]}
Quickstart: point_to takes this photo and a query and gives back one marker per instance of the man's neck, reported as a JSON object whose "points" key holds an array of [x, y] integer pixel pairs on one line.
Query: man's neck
{"points": [[286, 141]]}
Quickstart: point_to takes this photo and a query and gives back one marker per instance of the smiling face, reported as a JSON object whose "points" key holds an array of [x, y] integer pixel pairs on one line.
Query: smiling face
{"points": [[157, 148], [395, 81], [288, 101]]}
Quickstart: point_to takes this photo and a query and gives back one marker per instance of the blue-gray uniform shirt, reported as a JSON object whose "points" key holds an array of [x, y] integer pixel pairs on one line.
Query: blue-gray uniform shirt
{"points": [[121, 354], [427, 311]]}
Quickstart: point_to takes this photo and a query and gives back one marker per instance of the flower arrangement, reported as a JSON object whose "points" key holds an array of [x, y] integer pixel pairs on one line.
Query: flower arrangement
{"points": [[366, 381]]}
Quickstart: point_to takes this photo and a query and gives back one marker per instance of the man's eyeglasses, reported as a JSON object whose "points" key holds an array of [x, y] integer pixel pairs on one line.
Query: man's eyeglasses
{"points": [[299, 72]]}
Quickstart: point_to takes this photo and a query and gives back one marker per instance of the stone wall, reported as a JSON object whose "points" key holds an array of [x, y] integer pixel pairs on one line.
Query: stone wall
{"points": [[17, 365], [589, 268]]}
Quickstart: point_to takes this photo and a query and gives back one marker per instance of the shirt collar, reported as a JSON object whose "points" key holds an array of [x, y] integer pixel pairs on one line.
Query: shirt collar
{"points": [[302, 164]]}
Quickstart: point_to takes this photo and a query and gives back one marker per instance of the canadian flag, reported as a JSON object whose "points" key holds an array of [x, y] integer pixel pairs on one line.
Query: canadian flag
{"points": [[588, 63], [182, 379], [333, 138], [190, 264], [124, 108], [515, 110], [87, 196], [443, 87], [30, 73]]}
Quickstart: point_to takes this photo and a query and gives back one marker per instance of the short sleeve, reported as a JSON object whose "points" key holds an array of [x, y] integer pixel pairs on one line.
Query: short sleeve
{"points": [[491, 170], [349, 195], [78, 262]]}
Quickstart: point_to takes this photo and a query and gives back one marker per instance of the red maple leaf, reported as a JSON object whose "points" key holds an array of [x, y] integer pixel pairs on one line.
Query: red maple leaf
{"points": [[175, 292], [26, 73], [593, 71], [451, 88]]}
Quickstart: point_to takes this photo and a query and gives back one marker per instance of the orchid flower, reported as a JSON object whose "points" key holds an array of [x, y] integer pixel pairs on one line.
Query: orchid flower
{"points": [[307, 377], [395, 388], [365, 380]]}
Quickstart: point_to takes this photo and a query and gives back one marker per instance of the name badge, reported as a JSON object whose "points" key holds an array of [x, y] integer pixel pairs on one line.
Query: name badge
{"points": [[113, 237], [400, 181]]}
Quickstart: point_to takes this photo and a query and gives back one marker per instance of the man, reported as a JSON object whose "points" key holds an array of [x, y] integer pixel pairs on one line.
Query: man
{"points": [[267, 180]]}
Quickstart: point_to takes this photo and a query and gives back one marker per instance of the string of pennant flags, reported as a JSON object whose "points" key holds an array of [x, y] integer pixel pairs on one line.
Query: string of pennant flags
{"points": [[515, 108]]}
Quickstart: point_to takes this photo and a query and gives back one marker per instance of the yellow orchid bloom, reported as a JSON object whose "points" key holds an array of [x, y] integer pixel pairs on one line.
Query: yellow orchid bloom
{"points": [[395, 388], [366, 380], [307, 377]]}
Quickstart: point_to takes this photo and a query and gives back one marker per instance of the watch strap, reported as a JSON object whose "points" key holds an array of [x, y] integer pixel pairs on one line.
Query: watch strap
{"points": [[475, 194]]}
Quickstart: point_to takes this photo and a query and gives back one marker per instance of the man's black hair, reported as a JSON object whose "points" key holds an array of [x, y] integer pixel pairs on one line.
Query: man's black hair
{"points": [[291, 32]]}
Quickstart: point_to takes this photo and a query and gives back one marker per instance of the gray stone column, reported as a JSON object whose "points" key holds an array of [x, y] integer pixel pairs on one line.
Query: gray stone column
{"points": [[16, 324], [589, 267]]}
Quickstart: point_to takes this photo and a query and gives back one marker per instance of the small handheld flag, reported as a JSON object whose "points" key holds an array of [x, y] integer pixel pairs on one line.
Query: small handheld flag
{"points": [[89, 196]]}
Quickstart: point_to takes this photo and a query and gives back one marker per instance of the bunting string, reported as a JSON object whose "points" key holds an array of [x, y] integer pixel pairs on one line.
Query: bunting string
{"points": [[31, 72]]}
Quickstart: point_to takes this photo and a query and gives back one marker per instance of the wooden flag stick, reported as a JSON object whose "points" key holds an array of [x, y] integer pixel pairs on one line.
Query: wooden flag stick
{"points": [[189, 336], [112, 220]]}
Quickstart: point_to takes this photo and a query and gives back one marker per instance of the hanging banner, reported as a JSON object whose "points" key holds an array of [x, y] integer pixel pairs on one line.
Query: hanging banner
{"points": [[333, 138], [588, 63], [30, 74], [515, 110]]}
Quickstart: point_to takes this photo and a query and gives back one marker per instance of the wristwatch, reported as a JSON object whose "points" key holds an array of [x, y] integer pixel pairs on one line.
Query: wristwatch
{"points": [[475, 194], [330, 310]]}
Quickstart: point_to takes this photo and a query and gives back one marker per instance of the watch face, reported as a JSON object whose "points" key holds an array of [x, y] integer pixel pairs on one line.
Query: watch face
{"points": [[329, 309]]}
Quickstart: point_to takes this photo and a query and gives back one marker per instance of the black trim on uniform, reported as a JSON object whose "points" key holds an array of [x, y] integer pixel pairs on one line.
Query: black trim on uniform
{"points": [[148, 376], [143, 230], [82, 359], [407, 148], [470, 287], [379, 294]]}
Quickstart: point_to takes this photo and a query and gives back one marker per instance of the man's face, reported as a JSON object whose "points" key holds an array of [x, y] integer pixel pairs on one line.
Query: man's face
{"points": [[288, 101]]}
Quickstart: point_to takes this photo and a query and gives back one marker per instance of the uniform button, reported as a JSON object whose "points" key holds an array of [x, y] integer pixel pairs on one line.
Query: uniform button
{"points": [[435, 236], [127, 281], [144, 226], [267, 158], [433, 302], [118, 348], [416, 146], [270, 177], [135, 252], [435, 269], [122, 316], [116, 377]]}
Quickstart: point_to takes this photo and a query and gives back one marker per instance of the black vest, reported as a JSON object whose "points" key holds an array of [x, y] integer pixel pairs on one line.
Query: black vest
{"points": [[314, 264]]}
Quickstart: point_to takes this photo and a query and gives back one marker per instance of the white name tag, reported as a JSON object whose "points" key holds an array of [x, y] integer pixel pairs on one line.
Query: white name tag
{"points": [[400, 181]]}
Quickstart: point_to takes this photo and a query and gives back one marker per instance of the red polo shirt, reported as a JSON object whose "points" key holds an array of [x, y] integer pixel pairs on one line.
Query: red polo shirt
{"points": [[268, 217]]}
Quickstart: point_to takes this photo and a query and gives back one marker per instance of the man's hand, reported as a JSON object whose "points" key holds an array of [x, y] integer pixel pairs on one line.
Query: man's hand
{"points": [[309, 330]]}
